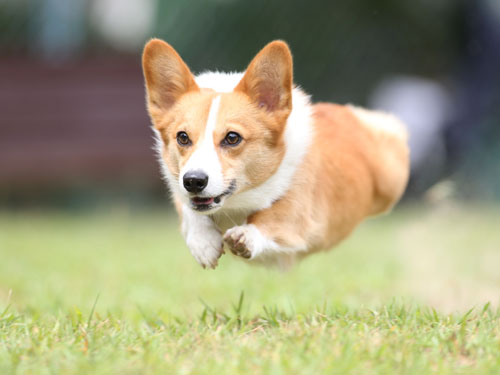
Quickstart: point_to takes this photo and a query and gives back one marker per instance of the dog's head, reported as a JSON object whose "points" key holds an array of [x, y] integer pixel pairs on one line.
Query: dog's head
{"points": [[218, 144]]}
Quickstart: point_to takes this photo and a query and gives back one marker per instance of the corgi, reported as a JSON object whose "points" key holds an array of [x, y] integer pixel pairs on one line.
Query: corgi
{"points": [[256, 169]]}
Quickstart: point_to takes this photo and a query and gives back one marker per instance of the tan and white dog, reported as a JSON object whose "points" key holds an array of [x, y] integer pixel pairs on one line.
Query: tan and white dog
{"points": [[255, 168]]}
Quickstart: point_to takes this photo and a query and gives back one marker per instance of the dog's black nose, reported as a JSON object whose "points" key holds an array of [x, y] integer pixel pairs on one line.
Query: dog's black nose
{"points": [[195, 181]]}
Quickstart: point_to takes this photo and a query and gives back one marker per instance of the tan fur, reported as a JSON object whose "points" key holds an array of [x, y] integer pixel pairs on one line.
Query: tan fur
{"points": [[268, 80], [167, 77], [356, 166], [262, 147], [175, 104], [182, 118], [351, 171]]}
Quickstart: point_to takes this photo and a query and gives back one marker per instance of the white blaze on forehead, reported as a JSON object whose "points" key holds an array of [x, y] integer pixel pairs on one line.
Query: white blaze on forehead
{"points": [[205, 157]]}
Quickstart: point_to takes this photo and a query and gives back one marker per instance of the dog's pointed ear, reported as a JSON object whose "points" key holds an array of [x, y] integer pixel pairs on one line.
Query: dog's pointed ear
{"points": [[268, 79], [167, 77]]}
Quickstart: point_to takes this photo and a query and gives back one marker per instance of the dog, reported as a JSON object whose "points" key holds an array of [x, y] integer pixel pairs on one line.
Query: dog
{"points": [[256, 169]]}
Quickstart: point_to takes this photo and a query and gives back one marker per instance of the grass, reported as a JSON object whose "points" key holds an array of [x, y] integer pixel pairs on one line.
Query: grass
{"points": [[117, 292]]}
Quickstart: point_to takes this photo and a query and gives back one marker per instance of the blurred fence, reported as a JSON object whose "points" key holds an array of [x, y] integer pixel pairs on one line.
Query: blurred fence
{"points": [[71, 93]]}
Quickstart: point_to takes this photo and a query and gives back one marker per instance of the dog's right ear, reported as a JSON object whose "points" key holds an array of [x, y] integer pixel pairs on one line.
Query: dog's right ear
{"points": [[268, 80], [167, 77]]}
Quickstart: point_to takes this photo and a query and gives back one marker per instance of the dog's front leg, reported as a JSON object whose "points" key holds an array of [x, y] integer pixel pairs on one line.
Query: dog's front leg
{"points": [[260, 238], [202, 237]]}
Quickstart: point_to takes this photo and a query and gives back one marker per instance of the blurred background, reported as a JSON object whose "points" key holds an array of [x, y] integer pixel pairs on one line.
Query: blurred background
{"points": [[84, 212], [74, 131]]}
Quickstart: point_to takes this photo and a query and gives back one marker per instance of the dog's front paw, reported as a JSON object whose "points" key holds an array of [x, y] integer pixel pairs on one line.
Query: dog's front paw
{"points": [[241, 241], [206, 249]]}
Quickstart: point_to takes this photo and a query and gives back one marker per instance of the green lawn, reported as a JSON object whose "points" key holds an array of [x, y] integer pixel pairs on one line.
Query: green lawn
{"points": [[406, 294]]}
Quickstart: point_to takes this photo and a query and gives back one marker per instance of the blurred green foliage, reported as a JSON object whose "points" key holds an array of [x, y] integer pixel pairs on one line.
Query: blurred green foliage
{"points": [[341, 48], [342, 51]]}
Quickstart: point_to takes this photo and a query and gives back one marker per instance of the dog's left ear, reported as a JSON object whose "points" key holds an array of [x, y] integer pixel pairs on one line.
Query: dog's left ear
{"points": [[268, 79]]}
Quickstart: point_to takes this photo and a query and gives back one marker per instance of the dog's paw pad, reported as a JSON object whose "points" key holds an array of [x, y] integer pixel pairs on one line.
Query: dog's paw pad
{"points": [[238, 242]]}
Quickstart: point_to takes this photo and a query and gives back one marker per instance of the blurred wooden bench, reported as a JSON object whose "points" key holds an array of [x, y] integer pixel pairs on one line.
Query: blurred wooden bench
{"points": [[82, 121]]}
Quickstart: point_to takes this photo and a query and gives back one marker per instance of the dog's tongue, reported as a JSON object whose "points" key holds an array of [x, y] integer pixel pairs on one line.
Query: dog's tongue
{"points": [[198, 200]]}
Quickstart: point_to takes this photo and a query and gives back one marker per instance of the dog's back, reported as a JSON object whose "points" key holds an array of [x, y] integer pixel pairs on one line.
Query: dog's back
{"points": [[357, 166], [391, 156]]}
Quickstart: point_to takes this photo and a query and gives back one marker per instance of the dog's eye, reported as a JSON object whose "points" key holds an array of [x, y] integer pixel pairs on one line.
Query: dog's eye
{"points": [[232, 139], [183, 139]]}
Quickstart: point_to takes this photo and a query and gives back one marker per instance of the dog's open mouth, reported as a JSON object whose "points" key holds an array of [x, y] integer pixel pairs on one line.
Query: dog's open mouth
{"points": [[199, 200], [207, 203]]}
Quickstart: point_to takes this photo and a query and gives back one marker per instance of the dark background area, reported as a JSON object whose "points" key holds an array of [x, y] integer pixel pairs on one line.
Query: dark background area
{"points": [[73, 127]]}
